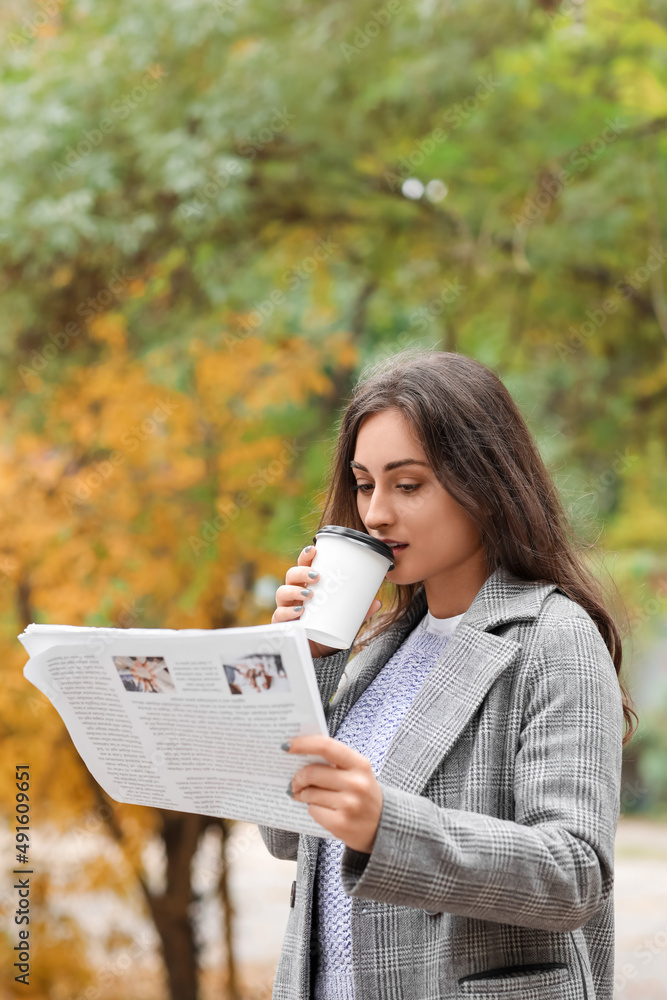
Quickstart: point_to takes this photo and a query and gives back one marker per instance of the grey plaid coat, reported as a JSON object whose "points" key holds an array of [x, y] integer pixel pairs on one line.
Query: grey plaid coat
{"points": [[492, 870]]}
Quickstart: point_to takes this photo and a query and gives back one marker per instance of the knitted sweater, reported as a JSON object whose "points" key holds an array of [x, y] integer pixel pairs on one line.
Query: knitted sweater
{"points": [[368, 727]]}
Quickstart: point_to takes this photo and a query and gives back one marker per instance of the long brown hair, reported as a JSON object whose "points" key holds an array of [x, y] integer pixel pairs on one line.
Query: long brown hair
{"points": [[483, 454]]}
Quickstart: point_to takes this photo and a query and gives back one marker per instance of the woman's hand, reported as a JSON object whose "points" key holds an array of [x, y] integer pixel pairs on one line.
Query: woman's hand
{"points": [[343, 796], [298, 588]]}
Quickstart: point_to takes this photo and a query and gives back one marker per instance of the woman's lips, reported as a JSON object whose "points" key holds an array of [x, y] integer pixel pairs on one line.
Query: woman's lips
{"points": [[398, 548]]}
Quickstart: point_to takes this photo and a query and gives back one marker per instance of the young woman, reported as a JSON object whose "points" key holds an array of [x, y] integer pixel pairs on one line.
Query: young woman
{"points": [[474, 756]]}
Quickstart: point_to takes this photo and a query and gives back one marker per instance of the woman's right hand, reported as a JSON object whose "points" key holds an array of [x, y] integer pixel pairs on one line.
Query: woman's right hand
{"points": [[290, 597]]}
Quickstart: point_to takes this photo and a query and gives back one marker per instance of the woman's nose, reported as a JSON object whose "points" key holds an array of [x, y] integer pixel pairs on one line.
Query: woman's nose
{"points": [[379, 509]]}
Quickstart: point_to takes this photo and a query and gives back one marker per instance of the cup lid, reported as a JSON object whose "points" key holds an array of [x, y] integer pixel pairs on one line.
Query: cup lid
{"points": [[358, 536]]}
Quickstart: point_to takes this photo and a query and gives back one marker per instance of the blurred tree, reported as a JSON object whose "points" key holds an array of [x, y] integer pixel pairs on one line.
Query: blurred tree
{"points": [[147, 505], [195, 200], [196, 166]]}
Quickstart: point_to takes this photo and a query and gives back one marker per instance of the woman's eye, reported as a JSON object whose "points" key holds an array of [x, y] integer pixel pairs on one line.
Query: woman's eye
{"points": [[408, 487]]}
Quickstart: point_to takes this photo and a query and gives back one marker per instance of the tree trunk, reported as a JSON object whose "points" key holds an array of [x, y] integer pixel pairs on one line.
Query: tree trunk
{"points": [[233, 991], [171, 909], [24, 609]]}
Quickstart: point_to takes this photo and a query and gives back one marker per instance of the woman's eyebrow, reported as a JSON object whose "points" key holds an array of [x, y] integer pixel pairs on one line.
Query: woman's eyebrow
{"points": [[390, 465]]}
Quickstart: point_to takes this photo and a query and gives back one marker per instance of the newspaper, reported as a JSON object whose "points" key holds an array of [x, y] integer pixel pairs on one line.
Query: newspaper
{"points": [[186, 719]]}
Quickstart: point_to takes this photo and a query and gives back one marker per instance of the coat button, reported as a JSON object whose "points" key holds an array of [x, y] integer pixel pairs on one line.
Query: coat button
{"points": [[292, 894]]}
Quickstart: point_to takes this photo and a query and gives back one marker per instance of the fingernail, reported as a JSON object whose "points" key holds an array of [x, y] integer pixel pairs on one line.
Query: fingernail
{"points": [[298, 607], [307, 592], [308, 548], [285, 746], [289, 790], [312, 574]]}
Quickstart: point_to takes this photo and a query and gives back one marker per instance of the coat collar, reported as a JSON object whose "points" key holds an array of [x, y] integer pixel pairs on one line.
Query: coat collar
{"points": [[458, 682], [504, 598]]}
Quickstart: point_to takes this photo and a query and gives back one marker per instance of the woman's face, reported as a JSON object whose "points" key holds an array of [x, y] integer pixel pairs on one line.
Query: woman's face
{"points": [[408, 504]]}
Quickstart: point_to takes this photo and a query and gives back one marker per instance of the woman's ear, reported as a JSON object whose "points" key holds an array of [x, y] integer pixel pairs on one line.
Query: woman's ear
{"points": [[374, 608]]}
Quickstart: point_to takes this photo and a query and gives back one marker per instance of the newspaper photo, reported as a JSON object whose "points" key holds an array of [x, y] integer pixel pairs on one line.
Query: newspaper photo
{"points": [[189, 719]]}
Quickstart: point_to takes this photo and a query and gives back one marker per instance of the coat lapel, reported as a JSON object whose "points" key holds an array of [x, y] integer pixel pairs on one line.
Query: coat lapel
{"points": [[451, 694], [458, 682]]}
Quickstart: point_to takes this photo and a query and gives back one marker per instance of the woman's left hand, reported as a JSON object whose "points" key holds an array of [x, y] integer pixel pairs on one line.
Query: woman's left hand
{"points": [[343, 796]]}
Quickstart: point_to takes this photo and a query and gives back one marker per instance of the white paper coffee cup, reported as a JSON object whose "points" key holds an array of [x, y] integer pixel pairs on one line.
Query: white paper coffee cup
{"points": [[352, 566]]}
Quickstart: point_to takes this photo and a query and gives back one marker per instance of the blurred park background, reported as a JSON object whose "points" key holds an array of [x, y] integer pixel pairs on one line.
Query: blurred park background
{"points": [[213, 215]]}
